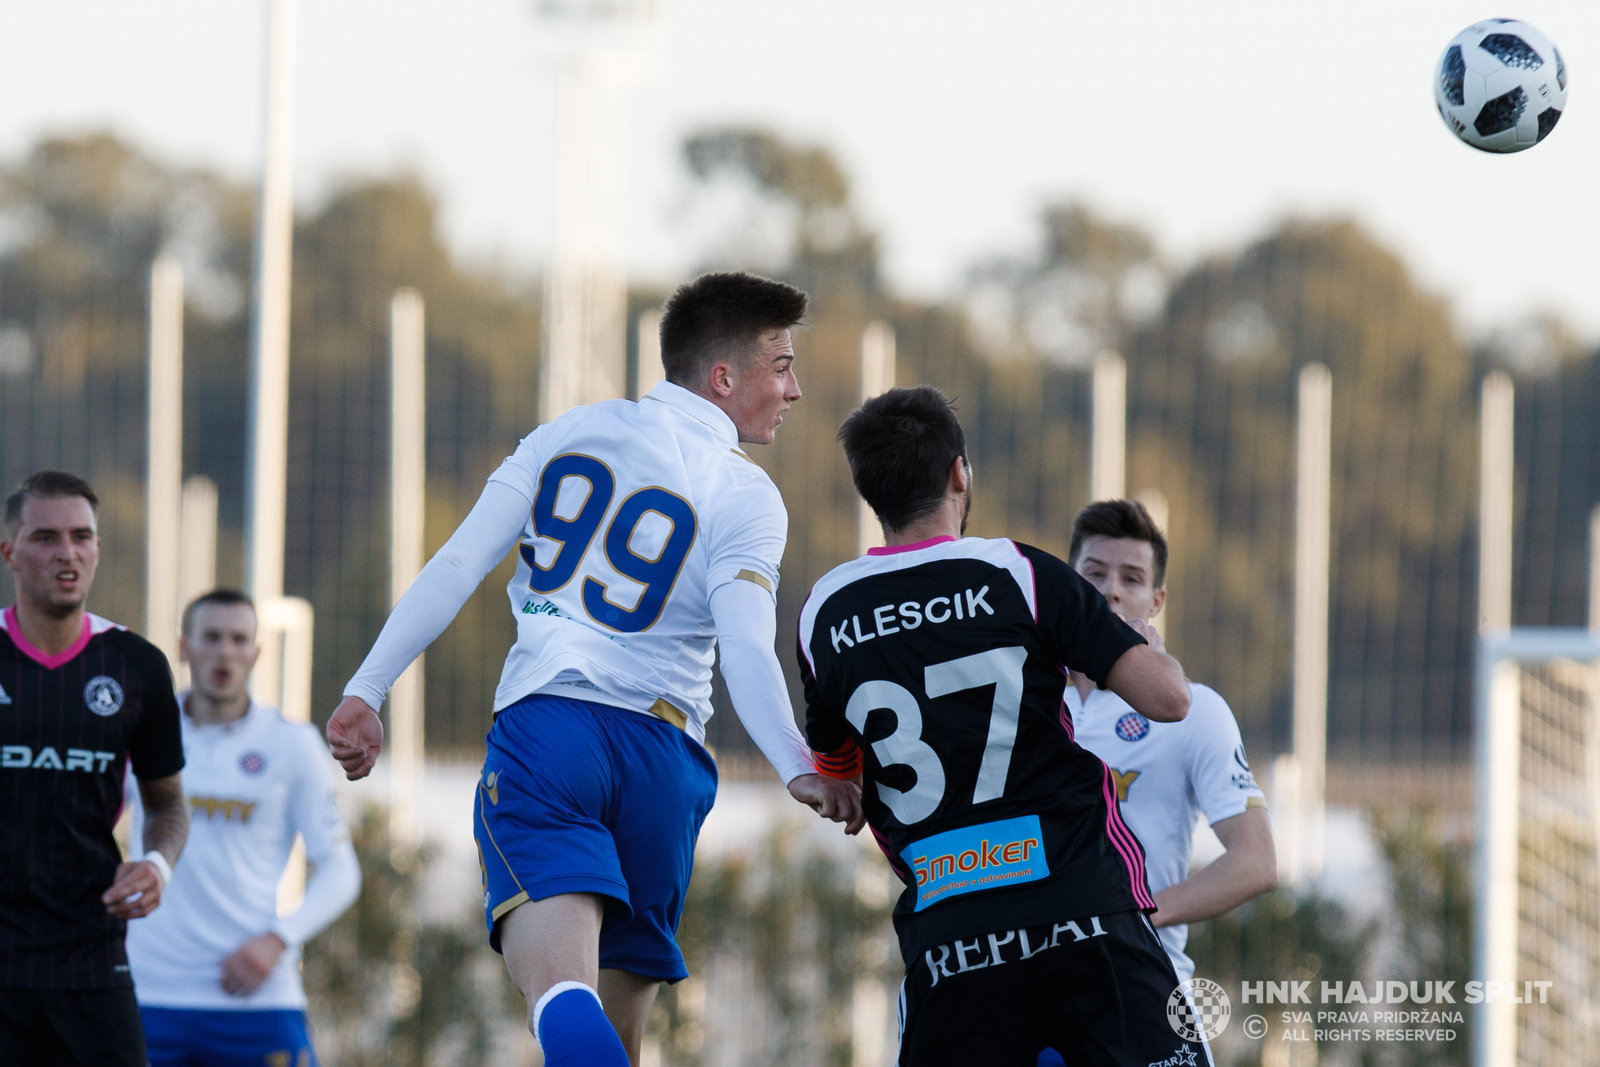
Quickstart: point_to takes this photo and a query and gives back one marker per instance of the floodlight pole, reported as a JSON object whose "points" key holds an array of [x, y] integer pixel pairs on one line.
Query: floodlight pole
{"points": [[407, 496], [197, 552], [1594, 569], [586, 291], [1313, 498], [267, 473], [1498, 730], [1108, 453], [877, 376], [197, 539], [164, 452], [649, 372]]}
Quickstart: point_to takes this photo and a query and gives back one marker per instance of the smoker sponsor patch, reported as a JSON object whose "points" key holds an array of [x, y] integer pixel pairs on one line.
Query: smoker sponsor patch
{"points": [[975, 858]]}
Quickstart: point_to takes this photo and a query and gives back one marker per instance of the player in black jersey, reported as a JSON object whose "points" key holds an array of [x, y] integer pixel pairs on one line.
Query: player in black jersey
{"points": [[80, 700], [933, 668]]}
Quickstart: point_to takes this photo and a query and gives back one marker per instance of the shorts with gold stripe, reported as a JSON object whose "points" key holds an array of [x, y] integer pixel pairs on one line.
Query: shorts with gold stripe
{"points": [[582, 797]]}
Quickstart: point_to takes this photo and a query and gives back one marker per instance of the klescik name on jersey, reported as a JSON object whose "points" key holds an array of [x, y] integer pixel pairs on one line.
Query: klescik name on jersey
{"points": [[911, 615]]}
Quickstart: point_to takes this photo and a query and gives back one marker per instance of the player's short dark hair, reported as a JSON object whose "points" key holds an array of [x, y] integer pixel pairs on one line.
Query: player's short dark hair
{"points": [[716, 315], [1120, 520], [45, 485], [900, 446], [224, 597]]}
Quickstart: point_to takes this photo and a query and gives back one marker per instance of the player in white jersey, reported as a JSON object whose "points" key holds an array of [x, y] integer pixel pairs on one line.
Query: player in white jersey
{"points": [[1167, 775], [647, 542], [216, 968]]}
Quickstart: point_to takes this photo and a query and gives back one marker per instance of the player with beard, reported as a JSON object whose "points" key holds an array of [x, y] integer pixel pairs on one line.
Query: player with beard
{"points": [[81, 700], [933, 670]]}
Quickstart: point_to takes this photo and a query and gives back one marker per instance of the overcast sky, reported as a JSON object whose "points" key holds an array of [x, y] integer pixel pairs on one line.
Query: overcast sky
{"points": [[1203, 122]]}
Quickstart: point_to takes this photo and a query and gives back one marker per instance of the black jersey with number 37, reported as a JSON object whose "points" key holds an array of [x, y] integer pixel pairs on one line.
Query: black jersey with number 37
{"points": [[937, 670]]}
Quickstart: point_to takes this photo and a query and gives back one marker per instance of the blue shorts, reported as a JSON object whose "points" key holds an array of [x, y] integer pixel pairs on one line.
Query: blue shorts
{"points": [[579, 797], [200, 1037]]}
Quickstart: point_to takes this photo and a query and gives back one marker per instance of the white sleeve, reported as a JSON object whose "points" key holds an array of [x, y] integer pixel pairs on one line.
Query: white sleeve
{"points": [[490, 530], [335, 878], [1219, 771], [746, 620], [748, 537]]}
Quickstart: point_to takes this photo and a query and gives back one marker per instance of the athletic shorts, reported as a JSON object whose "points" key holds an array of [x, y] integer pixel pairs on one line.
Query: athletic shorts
{"points": [[195, 1037], [1095, 989], [579, 797], [70, 1028]]}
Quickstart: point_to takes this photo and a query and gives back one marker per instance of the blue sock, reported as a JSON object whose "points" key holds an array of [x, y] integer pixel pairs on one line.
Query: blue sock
{"points": [[573, 1029]]}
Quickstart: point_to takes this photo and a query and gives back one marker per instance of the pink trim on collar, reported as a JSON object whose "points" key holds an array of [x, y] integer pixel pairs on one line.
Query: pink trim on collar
{"points": [[892, 549], [48, 662]]}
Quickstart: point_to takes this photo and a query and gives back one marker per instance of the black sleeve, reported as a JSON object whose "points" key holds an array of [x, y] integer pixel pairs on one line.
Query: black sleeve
{"points": [[826, 729], [157, 747], [1079, 627]]}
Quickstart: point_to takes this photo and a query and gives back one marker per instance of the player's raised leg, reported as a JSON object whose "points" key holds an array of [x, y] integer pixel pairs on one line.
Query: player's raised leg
{"points": [[551, 948]]}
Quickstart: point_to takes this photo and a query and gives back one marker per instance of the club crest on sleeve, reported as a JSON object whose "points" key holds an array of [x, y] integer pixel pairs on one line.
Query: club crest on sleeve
{"points": [[103, 696], [252, 763], [1133, 726]]}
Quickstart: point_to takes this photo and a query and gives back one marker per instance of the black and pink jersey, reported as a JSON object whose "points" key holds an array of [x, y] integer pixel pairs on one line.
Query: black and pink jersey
{"points": [[936, 669], [70, 725]]}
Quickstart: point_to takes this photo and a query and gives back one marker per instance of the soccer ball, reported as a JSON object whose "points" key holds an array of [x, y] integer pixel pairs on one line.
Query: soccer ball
{"points": [[1501, 85]]}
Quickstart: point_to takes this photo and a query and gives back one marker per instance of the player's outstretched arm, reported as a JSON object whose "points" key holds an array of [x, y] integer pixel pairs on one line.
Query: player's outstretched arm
{"points": [[1149, 679], [1247, 869], [490, 531], [137, 886], [745, 615]]}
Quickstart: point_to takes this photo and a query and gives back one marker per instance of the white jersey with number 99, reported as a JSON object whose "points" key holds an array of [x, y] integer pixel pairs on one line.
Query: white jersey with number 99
{"points": [[638, 513]]}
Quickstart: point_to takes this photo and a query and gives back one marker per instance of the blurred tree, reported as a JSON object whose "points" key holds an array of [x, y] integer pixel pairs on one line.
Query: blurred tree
{"points": [[1084, 290], [1211, 419], [1430, 890], [81, 220], [776, 943], [1277, 937], [387, 989], [1212, 410]]}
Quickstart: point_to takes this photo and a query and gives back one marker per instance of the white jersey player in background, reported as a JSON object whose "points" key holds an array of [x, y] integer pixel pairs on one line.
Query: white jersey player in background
{"points": [[1169, 775], [648, 542], [216, 969]]}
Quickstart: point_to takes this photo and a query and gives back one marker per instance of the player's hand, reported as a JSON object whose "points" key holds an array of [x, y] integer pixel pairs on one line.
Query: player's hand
{"points": [[248, 966], [135, 891], [355, 735], [834, 800], [1148, 632]]}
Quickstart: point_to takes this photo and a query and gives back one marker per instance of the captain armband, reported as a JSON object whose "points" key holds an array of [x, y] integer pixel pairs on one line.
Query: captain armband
{"points": [[843, 762]]}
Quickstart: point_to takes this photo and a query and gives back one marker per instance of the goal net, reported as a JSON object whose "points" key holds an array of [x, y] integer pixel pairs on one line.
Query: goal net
{"points": [[1538, 877]]}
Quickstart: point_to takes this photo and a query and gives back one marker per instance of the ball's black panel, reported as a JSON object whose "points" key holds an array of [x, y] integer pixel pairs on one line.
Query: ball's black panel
{"points": [[1547, 121], [1502, 113], [1561, 69], [1511, 50], [1452, 73]]}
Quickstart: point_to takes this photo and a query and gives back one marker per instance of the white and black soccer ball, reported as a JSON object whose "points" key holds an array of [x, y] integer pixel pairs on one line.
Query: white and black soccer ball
{"points": [[1501, 85]]}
